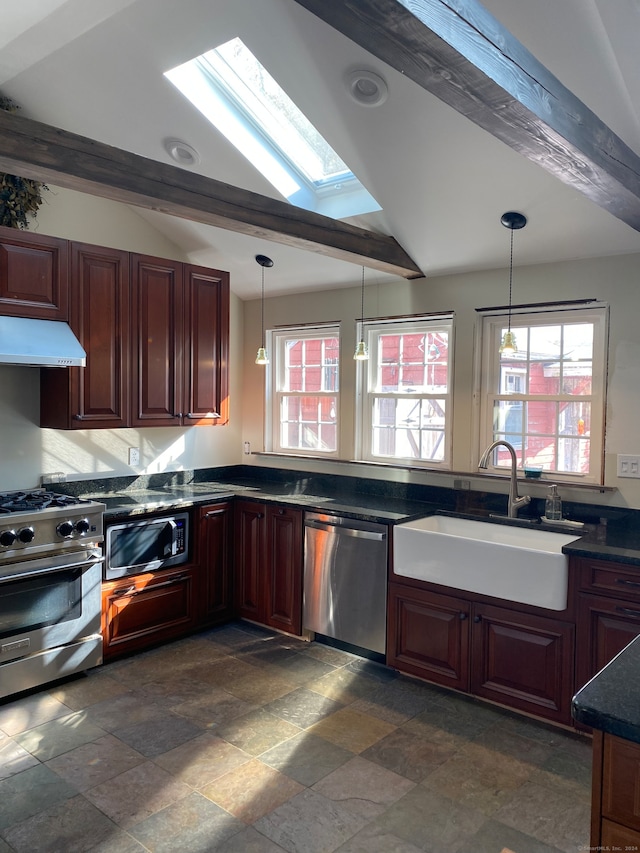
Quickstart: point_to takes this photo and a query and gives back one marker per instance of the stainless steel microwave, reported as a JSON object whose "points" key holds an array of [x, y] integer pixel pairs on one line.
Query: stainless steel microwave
{"points": [[147, 545]]}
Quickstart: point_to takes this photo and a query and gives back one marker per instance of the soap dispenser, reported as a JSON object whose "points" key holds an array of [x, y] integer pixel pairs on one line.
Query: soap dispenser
{"points": [[553, 505]]}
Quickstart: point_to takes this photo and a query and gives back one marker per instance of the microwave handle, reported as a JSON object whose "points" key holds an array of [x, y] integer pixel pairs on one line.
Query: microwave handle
{"points": [[174, 536]]}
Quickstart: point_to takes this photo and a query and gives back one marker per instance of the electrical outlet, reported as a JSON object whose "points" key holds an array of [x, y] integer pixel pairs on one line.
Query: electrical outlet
{"points": [[134, 457], [628, 465]]}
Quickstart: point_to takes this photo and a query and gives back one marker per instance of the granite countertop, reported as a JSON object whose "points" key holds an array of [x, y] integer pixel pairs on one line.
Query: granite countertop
{"points": [[610, 702], [373, 500], [382, 509]]}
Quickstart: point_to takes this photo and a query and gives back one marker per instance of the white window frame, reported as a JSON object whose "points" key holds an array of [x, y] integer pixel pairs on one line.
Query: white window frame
{"points": [[275, 393], [488, 376], [370, 330]]}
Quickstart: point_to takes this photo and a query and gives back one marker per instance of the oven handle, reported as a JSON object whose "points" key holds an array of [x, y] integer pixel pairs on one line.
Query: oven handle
{"points": [[50, 569]]}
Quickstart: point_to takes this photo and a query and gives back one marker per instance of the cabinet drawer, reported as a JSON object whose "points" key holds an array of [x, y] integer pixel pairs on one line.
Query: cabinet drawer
{"points": [[147, 610], [601, 576], [621, 782]]}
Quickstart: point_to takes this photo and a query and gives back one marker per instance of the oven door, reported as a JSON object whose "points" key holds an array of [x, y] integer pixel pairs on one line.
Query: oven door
{"points": [[49, 602]]}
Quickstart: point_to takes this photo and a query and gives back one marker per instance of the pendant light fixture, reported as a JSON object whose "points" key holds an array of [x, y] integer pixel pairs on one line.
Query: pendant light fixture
{"points": [[514, 222], [262, 357], [361, 353]]}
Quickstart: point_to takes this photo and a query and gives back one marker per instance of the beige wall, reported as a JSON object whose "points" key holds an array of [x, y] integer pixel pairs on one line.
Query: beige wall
{"points": [[86, 454], [89, 453], [613, 280]]}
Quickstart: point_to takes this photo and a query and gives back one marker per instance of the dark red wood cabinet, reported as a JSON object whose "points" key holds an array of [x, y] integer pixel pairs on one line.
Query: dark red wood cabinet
{"points": [[268, 564], [429, 635], [140, 611], [34, 275], [157, 313], [156, 334], [608, 616], [615, 804], [215, 564], [522, 660], [511, 656], [95, 396], [180, 316]]}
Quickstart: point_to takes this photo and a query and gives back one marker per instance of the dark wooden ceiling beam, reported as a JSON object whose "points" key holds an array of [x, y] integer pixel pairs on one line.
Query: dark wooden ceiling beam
{"points": [[461, 54], [38, 151]]}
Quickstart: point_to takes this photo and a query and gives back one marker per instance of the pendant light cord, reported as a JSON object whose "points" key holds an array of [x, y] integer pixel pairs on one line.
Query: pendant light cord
{"points": [[510, 279], [262, 304], [362, 305]]}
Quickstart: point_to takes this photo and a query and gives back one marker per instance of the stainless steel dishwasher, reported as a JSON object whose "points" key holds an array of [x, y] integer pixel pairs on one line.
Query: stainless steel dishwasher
{"points": [[345, 580]]}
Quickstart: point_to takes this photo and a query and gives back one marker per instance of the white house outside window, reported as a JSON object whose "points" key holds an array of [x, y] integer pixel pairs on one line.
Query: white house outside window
{"points": [[547, 399], [405, 392], [305, 390]]}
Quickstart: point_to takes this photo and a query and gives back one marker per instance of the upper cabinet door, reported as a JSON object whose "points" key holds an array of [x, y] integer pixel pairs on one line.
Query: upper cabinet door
{"points": [[95, 396], [100, 316], [33, 275], [157, 335], [206, 346]]}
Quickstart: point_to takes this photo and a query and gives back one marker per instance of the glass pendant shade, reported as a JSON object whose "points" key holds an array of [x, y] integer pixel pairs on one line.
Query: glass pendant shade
{"points": [[262, 357], [508, 345], [361, 353]]}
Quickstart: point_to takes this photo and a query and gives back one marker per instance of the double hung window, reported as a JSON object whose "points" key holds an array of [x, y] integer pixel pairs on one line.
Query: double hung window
{"points": [[548, 398], [304, 392], [405, 392]]}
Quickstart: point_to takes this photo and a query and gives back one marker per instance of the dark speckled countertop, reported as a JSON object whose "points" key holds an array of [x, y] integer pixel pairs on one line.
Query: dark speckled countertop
{"points": [[610, 702], [136, 501], [386, 502]]}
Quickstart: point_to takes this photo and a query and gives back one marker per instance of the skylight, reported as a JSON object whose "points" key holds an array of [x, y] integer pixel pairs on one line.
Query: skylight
{"points": [[236, 93]]}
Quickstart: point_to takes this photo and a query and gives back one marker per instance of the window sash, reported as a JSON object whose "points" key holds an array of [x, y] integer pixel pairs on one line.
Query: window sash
{"points": [[303, 395], [419, 421], [567, 439]]}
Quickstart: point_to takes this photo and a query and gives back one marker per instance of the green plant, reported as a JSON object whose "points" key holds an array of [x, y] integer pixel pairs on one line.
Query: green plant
{"points": [[20, 198]]}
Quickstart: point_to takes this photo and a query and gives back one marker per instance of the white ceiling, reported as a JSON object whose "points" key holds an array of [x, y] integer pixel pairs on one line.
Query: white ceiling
{"points": [[95, 67]]}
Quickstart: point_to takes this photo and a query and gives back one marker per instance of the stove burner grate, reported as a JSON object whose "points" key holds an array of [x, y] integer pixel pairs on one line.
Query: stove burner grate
{"points": [[36, 500]]}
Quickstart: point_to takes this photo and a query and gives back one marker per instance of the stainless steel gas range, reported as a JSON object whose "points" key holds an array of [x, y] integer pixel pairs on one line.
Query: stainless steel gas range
{"points": [[50, 577]]}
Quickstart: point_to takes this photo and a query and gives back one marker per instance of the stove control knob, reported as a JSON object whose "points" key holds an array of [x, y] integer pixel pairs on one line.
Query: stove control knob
{"points": [[83, 526], [7, 538], [65, 529], [26, 534]]}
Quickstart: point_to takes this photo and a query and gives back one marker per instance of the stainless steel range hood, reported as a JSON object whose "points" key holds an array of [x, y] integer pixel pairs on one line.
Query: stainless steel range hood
{"points": [[39, 343]]}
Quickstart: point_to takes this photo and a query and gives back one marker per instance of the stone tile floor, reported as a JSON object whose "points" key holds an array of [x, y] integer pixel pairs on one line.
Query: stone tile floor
{"points": [[238, 740]]}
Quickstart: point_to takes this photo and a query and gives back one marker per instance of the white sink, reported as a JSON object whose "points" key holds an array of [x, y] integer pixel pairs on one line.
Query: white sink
{"points": [[513, 563]]}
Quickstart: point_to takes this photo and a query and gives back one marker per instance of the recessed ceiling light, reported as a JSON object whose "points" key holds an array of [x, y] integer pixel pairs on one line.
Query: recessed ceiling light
{"points": [[181, 152], [366, 87]]}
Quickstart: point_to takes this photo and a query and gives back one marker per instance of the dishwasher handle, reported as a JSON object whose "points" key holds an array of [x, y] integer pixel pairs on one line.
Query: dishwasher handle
{"points": [[345, 531]]}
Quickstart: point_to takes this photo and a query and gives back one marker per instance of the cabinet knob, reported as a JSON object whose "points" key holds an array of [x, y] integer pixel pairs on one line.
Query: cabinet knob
{"points": [[78, 417], [281, 511], [477, 618], [462, 616]]}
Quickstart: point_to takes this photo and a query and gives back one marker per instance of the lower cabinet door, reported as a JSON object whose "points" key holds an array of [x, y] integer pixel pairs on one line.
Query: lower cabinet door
{"points": [[605, 627], [214, 591], [146, 609], [429, 635], [523, 661], [616, 837]]}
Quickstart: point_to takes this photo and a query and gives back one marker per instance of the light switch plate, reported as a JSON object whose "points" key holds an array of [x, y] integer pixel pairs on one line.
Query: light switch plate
{"points": [[628, 465]]}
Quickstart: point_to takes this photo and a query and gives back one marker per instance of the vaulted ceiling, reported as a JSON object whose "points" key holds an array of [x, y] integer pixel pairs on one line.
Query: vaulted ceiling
{"points": [[544, 119]]}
